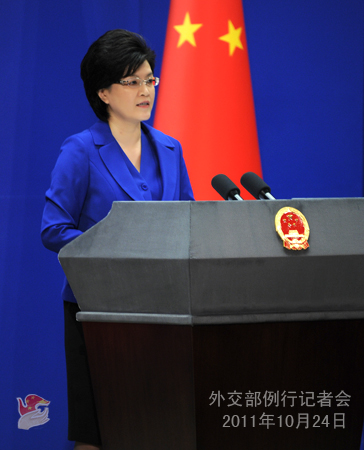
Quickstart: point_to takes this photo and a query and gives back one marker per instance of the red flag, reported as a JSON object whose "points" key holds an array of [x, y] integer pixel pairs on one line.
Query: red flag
{"points": [[205, 97]]}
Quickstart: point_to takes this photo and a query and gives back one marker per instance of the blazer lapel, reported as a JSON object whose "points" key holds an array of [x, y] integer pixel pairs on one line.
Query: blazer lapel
{"points": [[111, 155], [167, 160]]}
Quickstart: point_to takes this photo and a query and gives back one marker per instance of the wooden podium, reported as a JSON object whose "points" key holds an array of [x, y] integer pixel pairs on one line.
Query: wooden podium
{"points": [[204, 333]]}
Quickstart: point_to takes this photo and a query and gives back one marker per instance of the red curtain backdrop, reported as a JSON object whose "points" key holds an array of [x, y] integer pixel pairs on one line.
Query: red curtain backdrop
{"points": [[205, 97]]}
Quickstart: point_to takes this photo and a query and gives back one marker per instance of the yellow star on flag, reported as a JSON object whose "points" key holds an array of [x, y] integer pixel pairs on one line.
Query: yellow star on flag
{"points": [[187, 30], [232, 38]]}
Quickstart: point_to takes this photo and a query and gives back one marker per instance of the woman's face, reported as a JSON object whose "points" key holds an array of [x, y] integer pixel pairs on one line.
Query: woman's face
{"points": [[128, 104]]}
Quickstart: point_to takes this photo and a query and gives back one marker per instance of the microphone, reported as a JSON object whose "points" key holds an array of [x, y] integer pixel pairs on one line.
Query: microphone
{"points": [[256, 186], [226, 188]]}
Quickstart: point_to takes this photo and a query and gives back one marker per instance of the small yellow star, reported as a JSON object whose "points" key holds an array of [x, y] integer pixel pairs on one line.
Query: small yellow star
{"points": [[232, 38], [187, 30]]}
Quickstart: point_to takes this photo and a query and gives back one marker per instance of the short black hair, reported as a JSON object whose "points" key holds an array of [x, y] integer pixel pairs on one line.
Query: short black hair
{"points": [[116, 54]]}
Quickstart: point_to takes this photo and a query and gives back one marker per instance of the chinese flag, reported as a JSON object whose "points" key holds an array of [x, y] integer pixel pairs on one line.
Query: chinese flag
{"points": [[205, 97]]}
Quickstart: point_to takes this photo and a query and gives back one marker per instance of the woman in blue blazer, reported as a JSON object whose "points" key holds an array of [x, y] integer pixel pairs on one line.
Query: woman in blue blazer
{"points": [[118, 159]]}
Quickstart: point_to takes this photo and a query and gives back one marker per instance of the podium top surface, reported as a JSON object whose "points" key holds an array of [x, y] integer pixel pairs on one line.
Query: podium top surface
{"points": [[218, 262]]}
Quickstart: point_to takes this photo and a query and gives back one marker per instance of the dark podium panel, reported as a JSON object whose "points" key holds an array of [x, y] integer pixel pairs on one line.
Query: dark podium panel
{"points": [[203, 332]]}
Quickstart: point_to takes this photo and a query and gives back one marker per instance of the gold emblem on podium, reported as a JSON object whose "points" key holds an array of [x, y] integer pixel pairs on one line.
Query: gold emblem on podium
{"points": [[292, 227]]}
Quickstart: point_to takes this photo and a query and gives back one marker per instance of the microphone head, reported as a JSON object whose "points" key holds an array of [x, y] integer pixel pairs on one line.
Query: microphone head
{"points": [[224, 186], [254, 184]]}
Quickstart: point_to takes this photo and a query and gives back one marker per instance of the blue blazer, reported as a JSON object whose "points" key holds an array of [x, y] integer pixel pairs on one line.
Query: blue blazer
{"points": [[90, 174]]}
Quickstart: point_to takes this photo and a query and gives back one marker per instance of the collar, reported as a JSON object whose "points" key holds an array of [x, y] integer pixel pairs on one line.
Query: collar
{"points": [[102, 135], [110, 154]]}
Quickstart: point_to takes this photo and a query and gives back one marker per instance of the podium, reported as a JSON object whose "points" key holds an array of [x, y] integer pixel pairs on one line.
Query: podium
{"points": [[203, 332]]}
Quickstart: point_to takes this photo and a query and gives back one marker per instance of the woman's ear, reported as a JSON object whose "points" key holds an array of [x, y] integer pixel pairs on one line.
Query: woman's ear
{"points": [[102, 93]]}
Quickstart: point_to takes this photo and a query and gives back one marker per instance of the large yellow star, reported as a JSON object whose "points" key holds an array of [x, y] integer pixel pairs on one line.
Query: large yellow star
{"points": [[232, 38], [187, 30]]}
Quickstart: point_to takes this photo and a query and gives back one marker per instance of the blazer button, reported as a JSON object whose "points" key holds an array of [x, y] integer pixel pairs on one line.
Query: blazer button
{"points": [[144, 187]]}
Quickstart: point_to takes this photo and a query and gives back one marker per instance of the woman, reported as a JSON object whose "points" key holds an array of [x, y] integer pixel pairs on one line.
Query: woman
{"points": [[118, 158]]}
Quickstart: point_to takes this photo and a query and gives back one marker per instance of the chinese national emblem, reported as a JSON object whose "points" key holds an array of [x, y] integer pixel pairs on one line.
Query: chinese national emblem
{"points": [[292, 227]]}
